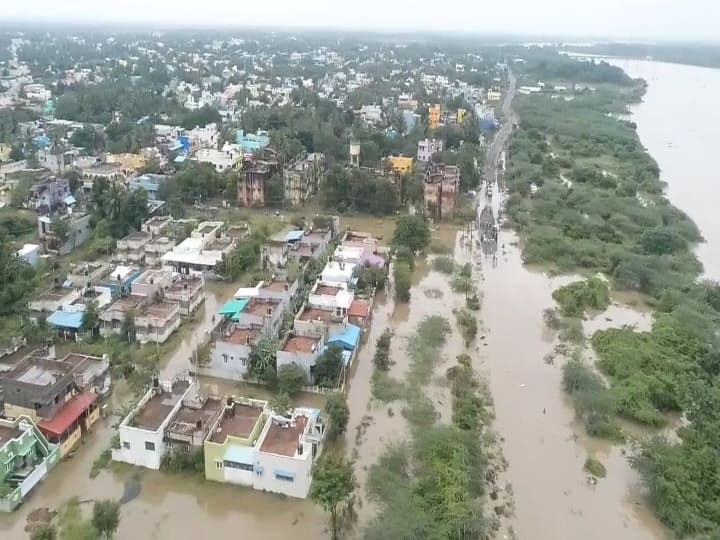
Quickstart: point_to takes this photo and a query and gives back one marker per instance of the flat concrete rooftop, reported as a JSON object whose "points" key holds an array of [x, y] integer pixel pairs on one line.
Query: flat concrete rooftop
{"points": [[284, 440], [158, 407], [236, 422]]}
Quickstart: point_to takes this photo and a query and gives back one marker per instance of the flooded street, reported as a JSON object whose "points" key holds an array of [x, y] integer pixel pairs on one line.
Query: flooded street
{"points": [[546, 450]]}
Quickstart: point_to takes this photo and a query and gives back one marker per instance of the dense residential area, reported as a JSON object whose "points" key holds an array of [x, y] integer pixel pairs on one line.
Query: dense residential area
{"points": [[345, 286]]}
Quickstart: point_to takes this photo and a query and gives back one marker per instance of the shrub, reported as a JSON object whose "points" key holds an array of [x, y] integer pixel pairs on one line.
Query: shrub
{"points": [[576, 297], [444, 264], [595, 467]]}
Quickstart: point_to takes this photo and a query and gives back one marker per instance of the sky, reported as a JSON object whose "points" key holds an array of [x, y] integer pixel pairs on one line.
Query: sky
{"points": [[693, 20]]}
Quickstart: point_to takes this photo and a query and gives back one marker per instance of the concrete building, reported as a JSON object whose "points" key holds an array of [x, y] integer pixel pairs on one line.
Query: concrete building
{"points": [[27, 458], [78, 232], [251, 185], [302, 177], [131, 249], [156, 248], [338, 272], [156, 322], [252, 142], [440, 191], [54, 299], [300, 350], [188, 292], [49, 195], [401, 164], [142, 432], [221, 160], [113, 316], [434, 117], [494, 96], [253, 447], [87, 274], [149, 182], [202, 251], [29, 253], [428, 147]]}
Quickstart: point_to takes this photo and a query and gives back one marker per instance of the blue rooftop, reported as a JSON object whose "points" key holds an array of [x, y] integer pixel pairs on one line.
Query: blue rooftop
{"points": [[66, 319], [233, 308], [294, 236], [349, 339]]}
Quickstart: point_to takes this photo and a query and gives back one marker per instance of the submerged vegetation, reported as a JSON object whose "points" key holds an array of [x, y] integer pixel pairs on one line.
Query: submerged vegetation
{"points": [[585, 196], [432, 486]]}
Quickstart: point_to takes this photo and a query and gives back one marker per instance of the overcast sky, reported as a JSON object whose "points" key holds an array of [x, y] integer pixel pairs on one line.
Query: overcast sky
{"points": [[641, 19]]}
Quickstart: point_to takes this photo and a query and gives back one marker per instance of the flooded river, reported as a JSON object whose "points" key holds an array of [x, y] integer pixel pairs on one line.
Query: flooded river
{"points": [[677, 122]]}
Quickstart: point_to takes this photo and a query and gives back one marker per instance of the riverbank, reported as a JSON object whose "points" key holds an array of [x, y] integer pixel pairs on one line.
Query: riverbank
{"points": [[585, 197]]}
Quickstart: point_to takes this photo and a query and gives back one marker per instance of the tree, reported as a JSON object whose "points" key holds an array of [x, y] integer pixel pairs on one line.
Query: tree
{"points": [[16, 153], [339, 413], [401, 274], [106, 517], [333, 488], [412, 232], [44, 531], [281, 403], [328, 367], [91, 318], [17, 279], [290, 379], [61, 229], [127, 328], [263, 361]]}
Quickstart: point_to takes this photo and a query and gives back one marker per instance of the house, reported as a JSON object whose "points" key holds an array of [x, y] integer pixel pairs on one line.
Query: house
{"points": [[142, 432], [231, 347], [252, 142], [43, 389], [221, 160], [350, 254], [54, 299], [114, 315], [27, 458], [302, 176], [120, 279], [30, 254], [338, 272], [440, 190], [300, 350], [401, 164], [275, 251], [428, 147], [149, 182], [410, 118], [188, 292], [77, 232], [156, 225], [359, 312], [275, 289], [156, 322], [371, 114], [156, 248], [494, 96], [87, 274], [49, 195], [434, 117], [131, 249], [251, 185], [202, 251], [312, 244], [253, 447], [230, 447]]}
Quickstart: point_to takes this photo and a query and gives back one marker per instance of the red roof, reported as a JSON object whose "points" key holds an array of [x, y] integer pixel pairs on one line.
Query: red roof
{"points": [[359, 308], [68, 414]]}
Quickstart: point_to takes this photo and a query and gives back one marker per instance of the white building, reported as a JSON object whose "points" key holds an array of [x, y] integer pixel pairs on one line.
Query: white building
{"points": [[428, 147], [202, 251], [221, 160], [338, 272], [142, 431]]}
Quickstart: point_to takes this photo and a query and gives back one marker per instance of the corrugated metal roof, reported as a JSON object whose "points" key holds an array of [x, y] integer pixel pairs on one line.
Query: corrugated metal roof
{"points": [[68, 414], [349, 339], [294, 236]]}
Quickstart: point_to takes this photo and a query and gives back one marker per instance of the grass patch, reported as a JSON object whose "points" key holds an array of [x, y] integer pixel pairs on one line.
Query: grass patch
{"points": [[595, 467], [579, 296], [385, 388]]}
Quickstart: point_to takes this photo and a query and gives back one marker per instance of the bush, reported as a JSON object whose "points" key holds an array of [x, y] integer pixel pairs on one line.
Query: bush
{"points": [[178, 460], [381, 358], [468, 325], [446, 265], [401, 275], [291, 379], [576, 297], [595, 467], [339, 414], [440, 248]]}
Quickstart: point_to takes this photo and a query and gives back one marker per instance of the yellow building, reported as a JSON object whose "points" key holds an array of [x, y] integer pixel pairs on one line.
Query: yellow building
{"points": [[129, 163], [434, 117], [494, 95], [461, 113], [401, 164]]}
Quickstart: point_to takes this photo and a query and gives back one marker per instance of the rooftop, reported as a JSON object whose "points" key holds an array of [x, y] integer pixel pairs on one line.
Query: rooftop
{"points": [[301, 344], [276, 285], [327, 290], [284, 440], [7, 433], [38, 371], [191, 417], [238, 335], [237, 422], [68, 414], [314, 314], [150, 277], [159, 406], [138, 236], [55, 295], [192, 282], [159, 309], [127, 303], [261, 307]]}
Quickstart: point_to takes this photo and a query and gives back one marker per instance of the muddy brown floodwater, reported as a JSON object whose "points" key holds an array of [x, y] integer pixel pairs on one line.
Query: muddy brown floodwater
{"points": [[543, 444]]}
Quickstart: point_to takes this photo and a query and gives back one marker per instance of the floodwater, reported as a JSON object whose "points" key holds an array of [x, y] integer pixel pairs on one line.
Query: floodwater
{"points": [[541, 441], [677, 122]]}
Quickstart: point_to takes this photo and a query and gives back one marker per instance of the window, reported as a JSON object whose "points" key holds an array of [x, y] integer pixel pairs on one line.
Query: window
{"points": [[150, 446], [243, 361], [219, 464], [126, 445], [284, 476], [225, 358], [236, 465]]}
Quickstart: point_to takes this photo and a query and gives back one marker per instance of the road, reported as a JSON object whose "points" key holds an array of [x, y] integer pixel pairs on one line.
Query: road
{"points": [[498, 143]]}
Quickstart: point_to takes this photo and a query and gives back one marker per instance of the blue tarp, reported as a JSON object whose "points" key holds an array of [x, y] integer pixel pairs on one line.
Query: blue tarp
{"points": [[232, 307], [66, 319], [294, 236], [240, 454], [349, 339], [70, 200]]}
